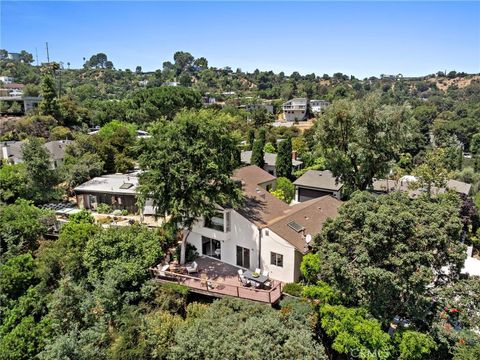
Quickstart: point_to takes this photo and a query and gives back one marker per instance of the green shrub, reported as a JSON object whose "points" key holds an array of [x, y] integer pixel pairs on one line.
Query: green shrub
{"points": [[322, 292], [104, 209], [310, 267], [294, 289]]}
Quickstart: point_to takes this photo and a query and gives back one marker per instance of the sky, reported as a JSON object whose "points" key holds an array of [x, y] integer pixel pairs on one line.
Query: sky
{"points": [[356, 38]]}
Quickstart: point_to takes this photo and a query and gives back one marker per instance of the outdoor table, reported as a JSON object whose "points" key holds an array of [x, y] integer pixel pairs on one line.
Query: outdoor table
{"points": [[261, 279]]}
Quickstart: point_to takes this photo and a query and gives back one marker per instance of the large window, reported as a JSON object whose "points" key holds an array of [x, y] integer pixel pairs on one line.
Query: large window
{"points": [[243, 257], [216, 222], [211, 247], [276, 259]]}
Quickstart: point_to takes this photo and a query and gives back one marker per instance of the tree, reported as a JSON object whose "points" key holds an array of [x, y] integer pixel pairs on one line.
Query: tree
{"points": [[432, 172], [48, 105], [283, 162], [251, 138], [188, 166], [258, 154], [151, 104], [384, 252], [415, 346], [41, 178], [269, 148], [475, 149], [260, 117], [353, 332], [13, 180], [360, 138], [230, 327], [284, 190], [138, 69], [22, 225], [16, 276], [183, 61]]}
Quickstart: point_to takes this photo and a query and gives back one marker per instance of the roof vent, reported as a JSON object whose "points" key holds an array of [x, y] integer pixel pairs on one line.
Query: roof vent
{"points": [[126, 186]]}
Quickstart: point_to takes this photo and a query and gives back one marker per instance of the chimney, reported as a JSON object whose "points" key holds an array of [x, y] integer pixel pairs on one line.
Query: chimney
{"points": [[294, 155]]}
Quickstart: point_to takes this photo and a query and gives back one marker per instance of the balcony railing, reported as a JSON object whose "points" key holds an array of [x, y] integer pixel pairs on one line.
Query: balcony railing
{"points": [[219, 288]]}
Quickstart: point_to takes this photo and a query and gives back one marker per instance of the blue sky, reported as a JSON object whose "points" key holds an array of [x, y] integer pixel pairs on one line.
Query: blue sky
{"points": [[359, 38]]}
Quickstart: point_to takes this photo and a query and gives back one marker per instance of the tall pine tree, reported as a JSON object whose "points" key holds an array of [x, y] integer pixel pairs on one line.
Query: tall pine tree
{"points": [[284, 159], [257, 154], [48, 105]]}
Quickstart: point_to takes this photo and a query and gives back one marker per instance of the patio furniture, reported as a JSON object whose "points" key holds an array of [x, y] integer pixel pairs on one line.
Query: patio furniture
{"points": [[265, 273], [163, 269], [240, 274], [258, 271], [193, 268], [258, 278]]}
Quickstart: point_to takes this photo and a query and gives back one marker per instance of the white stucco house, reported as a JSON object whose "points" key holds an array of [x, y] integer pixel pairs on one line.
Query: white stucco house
{"points": [[295, 109], [264, 232], [318, 106]]}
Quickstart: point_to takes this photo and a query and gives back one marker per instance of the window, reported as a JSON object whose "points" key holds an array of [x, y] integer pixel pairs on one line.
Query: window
{"points": [[227, 221], [243, 257], [267, 232], [211, 247], [276, 259], [215, 222]]}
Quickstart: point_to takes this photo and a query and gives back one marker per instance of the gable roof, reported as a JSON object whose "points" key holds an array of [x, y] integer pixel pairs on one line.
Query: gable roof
{"points": [[269, 158], [319, 180], [259, 206], [384, 185], [57, 148], [309, 215], [459, 186]]}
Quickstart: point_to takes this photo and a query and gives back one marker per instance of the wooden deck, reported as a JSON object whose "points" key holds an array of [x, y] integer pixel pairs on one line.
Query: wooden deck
{"points": [[218, 279]]}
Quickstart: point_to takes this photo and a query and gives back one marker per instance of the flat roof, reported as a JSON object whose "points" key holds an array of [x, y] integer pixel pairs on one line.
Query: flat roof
{"points": [[110, 184]]}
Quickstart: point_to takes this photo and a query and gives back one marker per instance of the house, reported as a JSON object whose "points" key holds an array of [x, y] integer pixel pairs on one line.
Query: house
{"points": [[318, 106], [382, 186], [117, 190], [264, 232], [270, 161], [295, 109], [314, 184], [7, 79], [12, 151]]}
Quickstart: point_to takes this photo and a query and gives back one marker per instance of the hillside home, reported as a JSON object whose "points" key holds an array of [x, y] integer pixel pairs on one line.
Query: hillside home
{"points": [[295, 109], [270, 161], [7, 79], [314, 184], [264, 232], [12, 151], [318, 106], [116, 190]]}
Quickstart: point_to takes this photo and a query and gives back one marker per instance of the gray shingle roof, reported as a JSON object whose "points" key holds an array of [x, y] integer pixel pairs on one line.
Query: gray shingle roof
{"points": [[319, 180]]}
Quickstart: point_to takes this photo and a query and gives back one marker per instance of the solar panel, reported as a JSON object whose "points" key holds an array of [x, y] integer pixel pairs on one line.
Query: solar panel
{"points": [[126, 186], [295, 226]]}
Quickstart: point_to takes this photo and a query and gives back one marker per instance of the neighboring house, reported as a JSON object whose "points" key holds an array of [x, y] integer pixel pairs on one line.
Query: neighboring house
{"points": [[13, 56], [318, 106], [382, 186], [295, 109], [7, 79], [12, 151], [314, 184], [116, 190], [270, 161], [264, 232]]}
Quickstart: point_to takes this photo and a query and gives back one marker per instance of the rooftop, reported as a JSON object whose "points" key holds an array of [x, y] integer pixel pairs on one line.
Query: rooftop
{"points": [[125, 184], [319, 180], [385, 185], [305, 218], [260, 206]]}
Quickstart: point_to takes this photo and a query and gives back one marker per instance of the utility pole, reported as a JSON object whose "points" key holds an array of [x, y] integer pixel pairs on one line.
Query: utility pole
{"points": [[48, 55]]}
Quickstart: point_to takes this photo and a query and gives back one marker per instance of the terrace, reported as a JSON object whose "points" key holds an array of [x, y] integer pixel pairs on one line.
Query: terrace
{"points": [[218, 279]]}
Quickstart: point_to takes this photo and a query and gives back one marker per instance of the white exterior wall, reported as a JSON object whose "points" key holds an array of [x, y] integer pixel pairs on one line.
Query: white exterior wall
{"points": [[292, 115], [242, 233], [271, 242]]}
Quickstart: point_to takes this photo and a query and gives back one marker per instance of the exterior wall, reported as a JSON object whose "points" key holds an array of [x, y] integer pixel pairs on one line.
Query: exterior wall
{"points": [[245, 234], [271, 242], [321, 192], [269, 185], [292, 115], [127, 202], [242, 233]]}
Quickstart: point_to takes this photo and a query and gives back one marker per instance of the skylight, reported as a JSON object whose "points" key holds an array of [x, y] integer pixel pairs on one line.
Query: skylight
{"points": [[126, 186], [295, 226]]}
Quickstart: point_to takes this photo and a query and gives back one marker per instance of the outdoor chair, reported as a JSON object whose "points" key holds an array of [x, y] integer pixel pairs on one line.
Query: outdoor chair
{"points": [[240, 274], [193, 268], [265, 273], [258, 271]]}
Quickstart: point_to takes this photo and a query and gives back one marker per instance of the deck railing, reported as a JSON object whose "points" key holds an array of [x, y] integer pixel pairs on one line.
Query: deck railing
{"points": [[220, 288]]}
